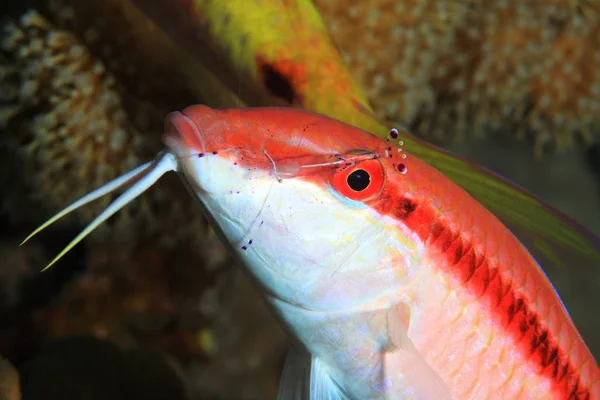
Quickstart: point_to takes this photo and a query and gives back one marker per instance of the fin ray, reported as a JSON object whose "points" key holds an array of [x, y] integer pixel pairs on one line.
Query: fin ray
{"points": [[305, 378], [423, 381]]}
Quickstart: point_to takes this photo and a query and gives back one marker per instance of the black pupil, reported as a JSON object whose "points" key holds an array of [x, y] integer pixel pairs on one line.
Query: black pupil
{"points": [[359, 180]]}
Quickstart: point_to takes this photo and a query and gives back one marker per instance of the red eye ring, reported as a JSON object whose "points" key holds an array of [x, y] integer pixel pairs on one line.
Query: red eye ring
{"points": [[361, 182]]}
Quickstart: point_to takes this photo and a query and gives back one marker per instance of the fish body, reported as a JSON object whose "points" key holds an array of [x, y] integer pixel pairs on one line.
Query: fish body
{"points": [[273, 52], [395, 283], [339, 265]]}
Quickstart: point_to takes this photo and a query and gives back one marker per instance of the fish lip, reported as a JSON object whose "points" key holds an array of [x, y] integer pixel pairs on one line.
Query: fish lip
{"points": [[182, 135], [175, 147]]}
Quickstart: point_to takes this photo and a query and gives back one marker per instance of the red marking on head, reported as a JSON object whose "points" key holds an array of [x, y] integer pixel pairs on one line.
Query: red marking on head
{"points": [[282, 132]]}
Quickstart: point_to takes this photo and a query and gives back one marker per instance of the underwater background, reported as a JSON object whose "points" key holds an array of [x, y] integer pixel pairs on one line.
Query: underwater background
{"points": [[151, 304]]}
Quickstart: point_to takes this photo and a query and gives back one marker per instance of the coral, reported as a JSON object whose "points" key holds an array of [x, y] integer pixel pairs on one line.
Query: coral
{"points": [[86, 98], [64, 111], [85, 88], [72, 120], [449, 68]]}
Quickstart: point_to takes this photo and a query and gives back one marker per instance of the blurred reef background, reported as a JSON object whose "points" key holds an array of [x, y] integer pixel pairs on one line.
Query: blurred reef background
{"points": [[151, 302]]}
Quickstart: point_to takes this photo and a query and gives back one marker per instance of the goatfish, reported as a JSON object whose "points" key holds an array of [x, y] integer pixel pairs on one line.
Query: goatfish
{"points": [[393, 282]]}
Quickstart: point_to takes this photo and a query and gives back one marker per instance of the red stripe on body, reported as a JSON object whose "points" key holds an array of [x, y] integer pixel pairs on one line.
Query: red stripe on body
{"points": [[486, 281]]}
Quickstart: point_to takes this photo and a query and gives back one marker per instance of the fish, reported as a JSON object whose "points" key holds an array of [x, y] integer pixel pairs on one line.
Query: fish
{"points": [[273, 52], [392, 281]]}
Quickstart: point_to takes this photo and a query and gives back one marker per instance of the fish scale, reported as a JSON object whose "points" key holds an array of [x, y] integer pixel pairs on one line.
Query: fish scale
{"points": [[486, 263], [511, 287]]}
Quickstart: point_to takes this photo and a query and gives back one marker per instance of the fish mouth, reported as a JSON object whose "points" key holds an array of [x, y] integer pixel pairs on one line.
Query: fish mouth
{"points": [[182, 135]]}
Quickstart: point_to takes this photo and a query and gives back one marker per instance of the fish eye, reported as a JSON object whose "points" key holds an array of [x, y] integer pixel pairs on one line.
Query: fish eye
{"points": [[361, 182], [358, 180]]}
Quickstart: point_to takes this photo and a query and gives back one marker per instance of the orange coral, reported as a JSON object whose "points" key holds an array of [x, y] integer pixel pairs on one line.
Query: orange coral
{"points": [[446, 68]]}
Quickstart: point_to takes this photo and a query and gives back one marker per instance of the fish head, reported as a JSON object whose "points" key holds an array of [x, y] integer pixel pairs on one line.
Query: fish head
{"points": [[294, 195]]}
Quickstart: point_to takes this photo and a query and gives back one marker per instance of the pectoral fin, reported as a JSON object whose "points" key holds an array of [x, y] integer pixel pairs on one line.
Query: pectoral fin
{"points": [[419, 379], [305, 378]]}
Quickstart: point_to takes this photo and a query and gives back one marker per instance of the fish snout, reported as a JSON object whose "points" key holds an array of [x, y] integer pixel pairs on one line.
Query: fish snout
{"points": [[182, 133]]}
